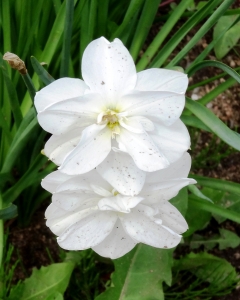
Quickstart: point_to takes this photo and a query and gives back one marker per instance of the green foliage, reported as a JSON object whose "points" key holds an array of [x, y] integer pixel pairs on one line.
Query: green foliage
{"points": [[217, 271], [201, 276], [229, 39], [47, 283], [225, 239], [56, 34], [8, 212], [139, 274]]}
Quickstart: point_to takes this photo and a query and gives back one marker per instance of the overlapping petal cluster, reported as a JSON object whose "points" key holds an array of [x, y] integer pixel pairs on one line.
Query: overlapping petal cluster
{"points": [[121, 151]]}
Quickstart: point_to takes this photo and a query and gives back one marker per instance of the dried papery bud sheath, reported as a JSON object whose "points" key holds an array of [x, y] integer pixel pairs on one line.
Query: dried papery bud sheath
{"points": [[15, 62]]}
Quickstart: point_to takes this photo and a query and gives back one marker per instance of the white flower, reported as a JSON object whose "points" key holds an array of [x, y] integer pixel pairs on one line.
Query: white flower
{"points": [[88, 212], [114, 107]]}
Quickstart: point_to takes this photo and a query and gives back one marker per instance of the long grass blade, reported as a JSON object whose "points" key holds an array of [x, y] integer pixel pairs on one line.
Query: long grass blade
{"points": [[182, 32], [201, 32], [66, 51], [161, 36], [134, 6], [214, 123], [149, 11]]}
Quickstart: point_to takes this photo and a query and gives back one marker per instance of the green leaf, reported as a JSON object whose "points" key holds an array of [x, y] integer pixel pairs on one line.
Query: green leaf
{"points": [[66, 48], [181, 201], [55, 296], [215, 270], [196, 220], [195, 191], [134, 6], [139, 275], [46, 281], [41, 72], [225, 239], [215, 209], [8, 212], [13, 97], [213, 122], [229, 39], [216, 64], [149, 11], [217, 184]]}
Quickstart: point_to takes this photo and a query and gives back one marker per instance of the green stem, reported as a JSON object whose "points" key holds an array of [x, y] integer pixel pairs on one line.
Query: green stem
{"points": [[1, 235]]}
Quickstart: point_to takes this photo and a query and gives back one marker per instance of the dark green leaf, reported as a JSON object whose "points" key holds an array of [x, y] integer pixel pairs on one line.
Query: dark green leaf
{"points": [[215, 270], [8, 212], [139, 275], [214, 123], [41, 72]]}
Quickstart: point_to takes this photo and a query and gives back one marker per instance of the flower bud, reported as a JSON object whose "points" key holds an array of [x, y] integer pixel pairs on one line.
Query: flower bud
{"points": [[15, 62]]}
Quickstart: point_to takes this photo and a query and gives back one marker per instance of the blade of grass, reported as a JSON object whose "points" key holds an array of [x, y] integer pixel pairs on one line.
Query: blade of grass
{"points": [[23, 30], [25, 181], [149, 11], [132, 9], [210, 46], [201, 32], [194, 122], [201, 83], [181, 33], [216, 64], [4, 126], [92, 19], [48, 52], [66, 50], [57, 5], [84, 40], [217, 91], [217, 184], [214, 123], [41, 71], [13, 98], [162, 34], [102, 17], [212, 208], [18, 145]]}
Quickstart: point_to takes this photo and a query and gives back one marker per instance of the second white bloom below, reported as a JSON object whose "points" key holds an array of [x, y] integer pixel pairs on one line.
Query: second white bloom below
{"points": [[89, 212]]}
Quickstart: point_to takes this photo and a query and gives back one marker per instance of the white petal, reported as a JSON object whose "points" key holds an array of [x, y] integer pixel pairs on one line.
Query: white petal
{"points": [[53, 180], [132, 124], [162, 194], [122, 173], [94, 146], [71, 202], [178, 169], [165, 107], [172, 140], [87, 182], [171, 217], [143, 150], [65, 115], [145, 230], [59, 220], [59, 90], [88, 232], [116, 244], [108, 68], [59, 146], [119, 203], [162, 80]]}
